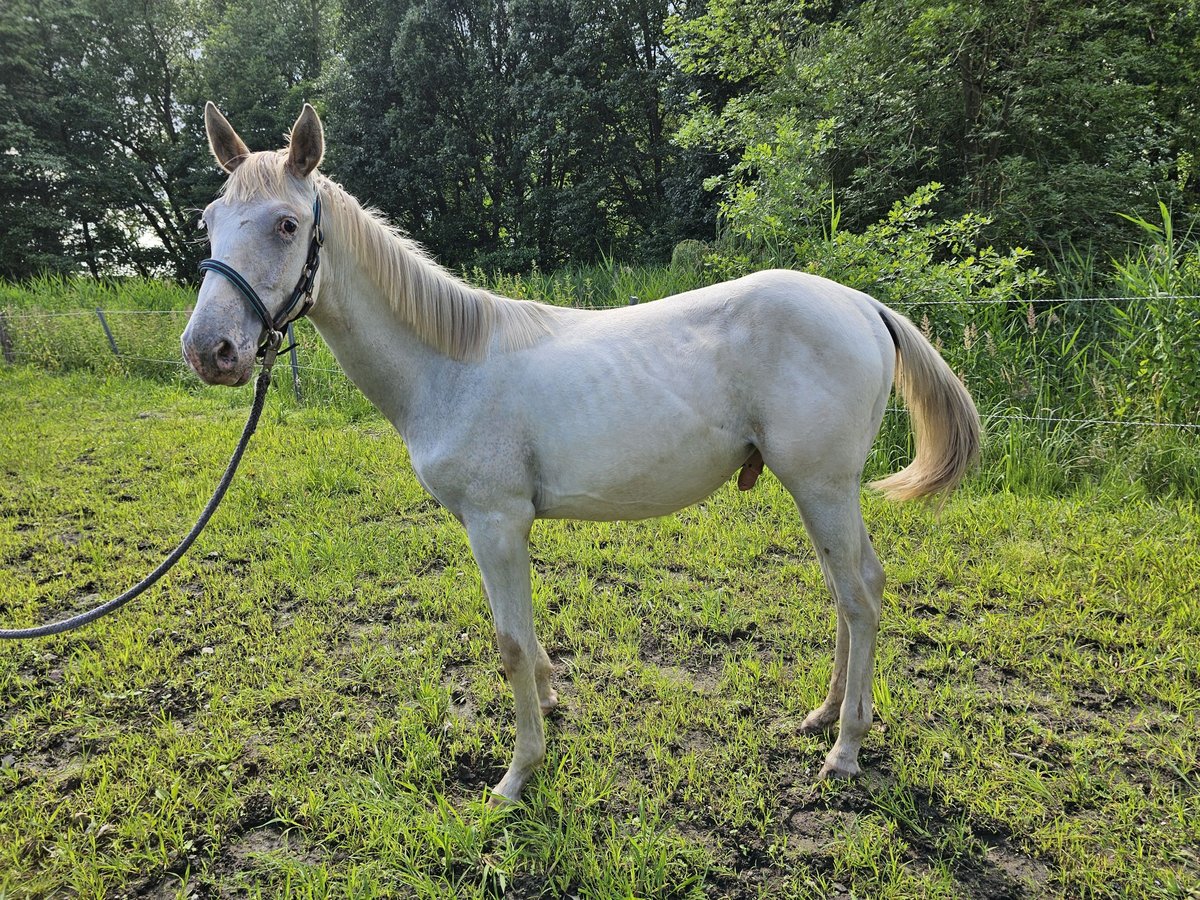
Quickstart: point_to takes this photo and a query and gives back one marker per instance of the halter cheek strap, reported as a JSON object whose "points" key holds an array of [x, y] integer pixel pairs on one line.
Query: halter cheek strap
{"points": [[273, 325]]}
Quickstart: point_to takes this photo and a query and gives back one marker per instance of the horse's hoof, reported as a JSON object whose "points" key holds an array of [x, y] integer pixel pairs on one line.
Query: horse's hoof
{"points": [[839, 771], [496, 800], [508, 791], [818, 722]]}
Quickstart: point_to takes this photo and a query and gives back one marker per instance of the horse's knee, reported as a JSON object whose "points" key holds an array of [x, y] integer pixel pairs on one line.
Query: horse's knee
{"points": [[860, 605], [512, 654]]}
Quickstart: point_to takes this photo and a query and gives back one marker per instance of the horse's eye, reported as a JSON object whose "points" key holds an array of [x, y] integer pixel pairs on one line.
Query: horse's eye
{"points": [[288, 226]]}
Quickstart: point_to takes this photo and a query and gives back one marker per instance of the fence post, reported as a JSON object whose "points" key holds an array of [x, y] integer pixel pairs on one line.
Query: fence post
{"points": [[291, 336], [104, 323], [5, 339]]}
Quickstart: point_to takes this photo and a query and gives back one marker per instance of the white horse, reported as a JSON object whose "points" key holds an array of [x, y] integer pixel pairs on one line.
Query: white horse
{"points": [[514, 411]]}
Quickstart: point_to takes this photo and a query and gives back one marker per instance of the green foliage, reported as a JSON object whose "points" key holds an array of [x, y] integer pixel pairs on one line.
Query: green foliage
{"points": [[507, 132], [261, 60], [499, 132], [738, 42], [105, 161], [1163, 334], [688, 256], [100, 151], [909, 257], [32, 231], [1046, 120]]}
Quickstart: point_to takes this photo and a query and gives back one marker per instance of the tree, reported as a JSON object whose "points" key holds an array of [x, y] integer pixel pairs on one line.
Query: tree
{"points": [[1048, 118], [100, 112], [42, 228], [98, 149], [506, 132], [261, 60]]}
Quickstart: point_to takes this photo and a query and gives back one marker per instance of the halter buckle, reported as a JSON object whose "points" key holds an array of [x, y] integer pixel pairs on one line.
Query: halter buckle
{"points": [[270, 349]]}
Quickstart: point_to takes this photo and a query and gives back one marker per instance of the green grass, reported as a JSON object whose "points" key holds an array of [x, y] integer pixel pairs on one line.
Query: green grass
{"points": [[312, 704]]}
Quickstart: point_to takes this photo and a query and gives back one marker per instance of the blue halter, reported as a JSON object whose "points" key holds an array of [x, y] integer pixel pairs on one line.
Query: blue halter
{"points": [[273, 326]]}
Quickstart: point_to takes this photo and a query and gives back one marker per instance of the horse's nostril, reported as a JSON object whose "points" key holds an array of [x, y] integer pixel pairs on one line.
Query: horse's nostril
{"points": [[226, 356]]}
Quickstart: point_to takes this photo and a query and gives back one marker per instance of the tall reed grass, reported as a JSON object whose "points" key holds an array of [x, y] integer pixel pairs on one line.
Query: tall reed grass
{"points": [[1064, 387]]}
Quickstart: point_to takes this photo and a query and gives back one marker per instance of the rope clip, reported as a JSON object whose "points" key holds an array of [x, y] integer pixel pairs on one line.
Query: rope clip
{"points": [[270, 349]]}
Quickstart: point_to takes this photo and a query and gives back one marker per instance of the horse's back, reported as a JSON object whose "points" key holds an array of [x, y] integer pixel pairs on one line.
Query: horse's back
{"points": [[775, 330], [795, 308]]}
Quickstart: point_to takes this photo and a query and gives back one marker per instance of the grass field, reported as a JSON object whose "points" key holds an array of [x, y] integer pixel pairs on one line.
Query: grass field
{"points": [[313, 705]]}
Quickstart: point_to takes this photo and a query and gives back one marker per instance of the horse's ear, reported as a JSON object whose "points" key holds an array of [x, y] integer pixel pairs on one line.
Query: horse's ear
{"points": [[227, 147], [307, 145]]}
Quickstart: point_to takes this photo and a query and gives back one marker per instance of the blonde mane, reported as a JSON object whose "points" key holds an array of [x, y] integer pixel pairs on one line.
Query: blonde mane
{"points": [[444, 312]]}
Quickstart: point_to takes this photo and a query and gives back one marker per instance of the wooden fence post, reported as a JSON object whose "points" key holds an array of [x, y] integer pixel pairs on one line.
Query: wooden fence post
{"points": [[5, 339], [104, 324]]}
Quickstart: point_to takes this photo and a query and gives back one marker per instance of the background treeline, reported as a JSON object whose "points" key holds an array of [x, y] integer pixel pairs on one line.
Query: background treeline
{"points": [[509, 133]]}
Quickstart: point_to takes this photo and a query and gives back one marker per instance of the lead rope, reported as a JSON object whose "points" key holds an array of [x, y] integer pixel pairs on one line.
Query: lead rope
{"points": [[262, 382]]}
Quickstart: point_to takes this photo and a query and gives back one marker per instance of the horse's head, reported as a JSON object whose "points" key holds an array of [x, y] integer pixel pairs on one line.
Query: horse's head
{"points": [[263, 228]]}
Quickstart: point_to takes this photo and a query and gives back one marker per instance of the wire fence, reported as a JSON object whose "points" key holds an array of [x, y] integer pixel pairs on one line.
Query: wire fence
{"points": [[180, 364], [91, 312], [12, 355], [987, 301], [634, 301]]}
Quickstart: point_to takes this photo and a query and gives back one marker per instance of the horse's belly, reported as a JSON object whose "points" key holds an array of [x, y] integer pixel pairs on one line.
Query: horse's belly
{"points": [[640, 488], [626, 503]]}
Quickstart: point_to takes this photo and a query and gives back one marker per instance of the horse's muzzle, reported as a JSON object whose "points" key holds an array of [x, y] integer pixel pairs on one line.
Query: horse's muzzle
{"points": [[218, 361]]}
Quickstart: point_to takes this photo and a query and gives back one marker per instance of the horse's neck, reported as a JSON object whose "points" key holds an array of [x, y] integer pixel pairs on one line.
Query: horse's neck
{"points": [[375, 348], [401, 349]]}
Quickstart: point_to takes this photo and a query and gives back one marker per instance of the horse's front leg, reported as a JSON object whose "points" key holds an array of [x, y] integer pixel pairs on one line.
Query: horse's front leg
{"points": [[500, 542]]}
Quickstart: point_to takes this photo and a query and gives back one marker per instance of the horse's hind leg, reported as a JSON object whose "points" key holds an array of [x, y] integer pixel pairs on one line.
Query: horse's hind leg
{"points": [[829, 711], [834, 521]]}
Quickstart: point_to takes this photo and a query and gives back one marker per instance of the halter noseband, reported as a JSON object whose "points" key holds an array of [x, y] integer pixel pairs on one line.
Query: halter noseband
{"points": [[273, 326]]}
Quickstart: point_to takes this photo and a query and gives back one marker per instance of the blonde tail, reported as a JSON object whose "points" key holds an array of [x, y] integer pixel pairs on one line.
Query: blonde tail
{"points": [[943, 416]]}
